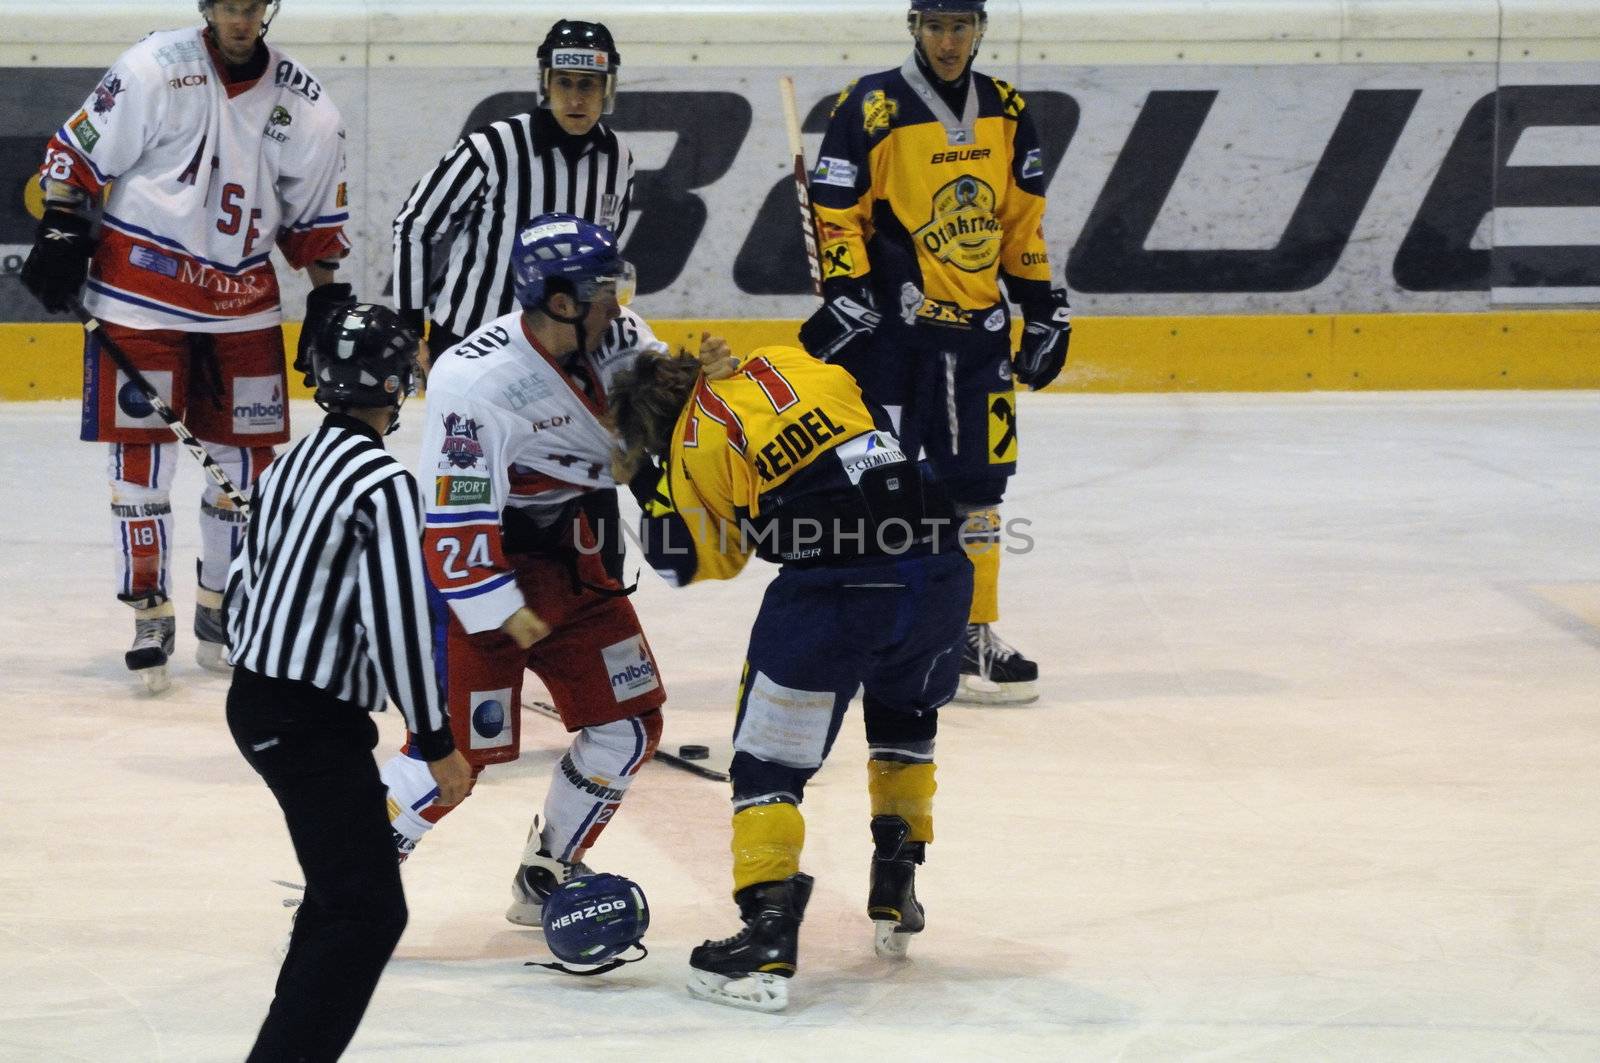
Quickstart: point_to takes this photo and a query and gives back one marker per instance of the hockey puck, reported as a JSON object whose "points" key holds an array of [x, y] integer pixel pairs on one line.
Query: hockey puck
{"points": [[694, 752]]}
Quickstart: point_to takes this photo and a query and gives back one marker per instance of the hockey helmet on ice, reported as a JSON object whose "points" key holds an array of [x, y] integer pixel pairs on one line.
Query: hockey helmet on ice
{"points": [[582, 48], [364, 355], [596, 918], [563, 252]]}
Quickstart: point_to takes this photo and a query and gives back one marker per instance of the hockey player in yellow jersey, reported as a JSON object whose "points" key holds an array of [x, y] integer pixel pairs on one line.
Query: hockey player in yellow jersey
{"points": [[929, 193], [785, 460]]}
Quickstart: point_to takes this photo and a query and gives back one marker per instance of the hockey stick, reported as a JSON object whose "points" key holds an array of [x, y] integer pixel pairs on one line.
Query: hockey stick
{"points": [[693, 768], [802, 190], [219, 476]]}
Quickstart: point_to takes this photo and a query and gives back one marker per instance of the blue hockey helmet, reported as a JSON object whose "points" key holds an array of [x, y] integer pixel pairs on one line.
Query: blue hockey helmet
{"points": [[595, 918], [556, 252], [957, 7]]}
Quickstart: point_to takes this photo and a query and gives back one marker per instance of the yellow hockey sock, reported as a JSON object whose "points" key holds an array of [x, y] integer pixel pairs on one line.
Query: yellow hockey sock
{"points": [[980, 538], [767, 840], [904, 790]]}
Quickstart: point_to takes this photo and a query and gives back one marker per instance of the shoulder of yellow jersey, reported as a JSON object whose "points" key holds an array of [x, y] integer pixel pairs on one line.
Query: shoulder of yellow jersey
{"points": [[1011, 102]]}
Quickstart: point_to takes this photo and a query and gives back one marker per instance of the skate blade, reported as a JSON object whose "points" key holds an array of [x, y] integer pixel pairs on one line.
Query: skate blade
{"points": [[213, 657], [523, 913], [155, 679], [754, 992], [976, 691], [888, 940]]}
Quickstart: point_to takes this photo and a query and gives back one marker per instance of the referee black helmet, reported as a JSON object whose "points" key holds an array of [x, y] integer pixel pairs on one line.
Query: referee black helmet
{"points": [[364, 356]]}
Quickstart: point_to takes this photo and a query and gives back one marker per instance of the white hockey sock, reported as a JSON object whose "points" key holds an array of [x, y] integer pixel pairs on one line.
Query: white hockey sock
{"points": [[222, 526], [411, 790], [591, 780], [141, 504]]}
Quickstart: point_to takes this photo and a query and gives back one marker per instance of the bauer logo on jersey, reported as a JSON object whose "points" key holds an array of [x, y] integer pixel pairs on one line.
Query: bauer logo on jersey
{"points": [[257, 405], [878, 111], [106, 93], [631, 668], [580, 59], [84, 132], [963, 230], [1032, 164], [491, 718], [461, 447], [133, 408], [461, 491], [832, 171]]}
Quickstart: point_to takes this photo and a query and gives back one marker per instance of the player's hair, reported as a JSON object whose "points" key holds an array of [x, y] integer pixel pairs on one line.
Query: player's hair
{"points": [[645, 403]]}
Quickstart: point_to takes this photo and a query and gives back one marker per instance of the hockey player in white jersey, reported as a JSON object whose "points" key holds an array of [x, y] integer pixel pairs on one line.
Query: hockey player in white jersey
{"points": [[516, 430], [199, 150]]}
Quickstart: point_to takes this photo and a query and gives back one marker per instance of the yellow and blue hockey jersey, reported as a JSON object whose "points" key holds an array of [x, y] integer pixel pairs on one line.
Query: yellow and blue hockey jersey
{"points": [[784, 460], [907, 190]]}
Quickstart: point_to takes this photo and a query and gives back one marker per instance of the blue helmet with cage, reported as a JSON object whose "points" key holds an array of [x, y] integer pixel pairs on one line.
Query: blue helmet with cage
{"points": [[563, 252], [595, 918]]}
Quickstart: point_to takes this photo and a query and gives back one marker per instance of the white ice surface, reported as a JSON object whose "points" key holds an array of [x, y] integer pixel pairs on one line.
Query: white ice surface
{"points": [[1314, 777]]}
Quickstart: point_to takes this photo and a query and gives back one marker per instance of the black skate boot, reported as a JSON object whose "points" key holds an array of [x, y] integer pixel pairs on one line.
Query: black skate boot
{"points": [[155, 631], [210, 629], [993, 672], [892, 903], [752, 968]]}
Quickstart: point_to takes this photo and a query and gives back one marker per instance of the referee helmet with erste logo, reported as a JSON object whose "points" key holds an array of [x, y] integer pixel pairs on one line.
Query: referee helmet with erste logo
{"points": [[579, 48]]}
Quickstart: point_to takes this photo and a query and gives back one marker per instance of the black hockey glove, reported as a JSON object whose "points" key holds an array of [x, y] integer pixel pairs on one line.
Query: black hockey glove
{"points": [[845, 320], [321, 304], [59, 262], [1046, 332]]}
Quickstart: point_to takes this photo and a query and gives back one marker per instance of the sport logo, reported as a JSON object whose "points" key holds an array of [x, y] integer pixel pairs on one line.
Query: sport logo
{"points": [[461, 447], [461, 491], [84, 132], [106, 93], [1032, 164], [490, 718]]}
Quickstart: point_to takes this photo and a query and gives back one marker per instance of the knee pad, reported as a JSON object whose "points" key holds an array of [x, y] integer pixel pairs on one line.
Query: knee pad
{"points": [[767, 840], [591, 780]]}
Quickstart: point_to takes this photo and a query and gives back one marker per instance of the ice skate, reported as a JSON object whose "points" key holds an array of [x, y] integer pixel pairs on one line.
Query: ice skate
{"points": [[211, 631], [993, 672], [752, 969], [155, 637], [892, 903], [539, 875]]}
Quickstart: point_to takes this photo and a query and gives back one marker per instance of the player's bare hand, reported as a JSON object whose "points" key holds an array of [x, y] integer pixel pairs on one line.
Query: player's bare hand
{"points": [[716, 357], [424, 359], [525, 627], [454, 776]]}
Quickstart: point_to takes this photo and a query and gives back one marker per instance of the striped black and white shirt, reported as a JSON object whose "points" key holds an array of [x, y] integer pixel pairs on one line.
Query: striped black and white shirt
{"points": [[329, 587], [495, 180]]}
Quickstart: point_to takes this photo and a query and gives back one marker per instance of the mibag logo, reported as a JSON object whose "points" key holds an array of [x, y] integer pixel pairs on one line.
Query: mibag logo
{"points": [[257, 405], [631, 668]]}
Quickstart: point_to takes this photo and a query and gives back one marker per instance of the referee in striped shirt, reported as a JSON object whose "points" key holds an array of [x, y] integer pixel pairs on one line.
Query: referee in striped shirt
{"points": [[328, 616], [498, 177]]}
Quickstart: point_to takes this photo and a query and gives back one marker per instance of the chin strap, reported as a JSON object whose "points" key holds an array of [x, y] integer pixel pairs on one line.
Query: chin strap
{"points": [[575, 322], [585, 971]]}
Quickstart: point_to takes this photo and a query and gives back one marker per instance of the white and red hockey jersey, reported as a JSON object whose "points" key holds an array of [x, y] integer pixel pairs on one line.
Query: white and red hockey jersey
{"points": [[507, 426], [204, 177]]}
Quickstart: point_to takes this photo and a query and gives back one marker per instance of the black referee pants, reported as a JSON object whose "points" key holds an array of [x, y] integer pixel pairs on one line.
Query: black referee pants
{"points": [[315, 754]]}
